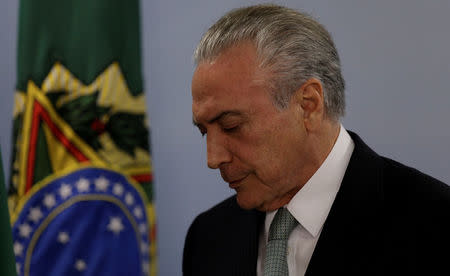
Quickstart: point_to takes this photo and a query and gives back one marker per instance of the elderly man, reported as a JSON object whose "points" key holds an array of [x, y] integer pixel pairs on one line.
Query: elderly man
{"points": [[311, 198]]}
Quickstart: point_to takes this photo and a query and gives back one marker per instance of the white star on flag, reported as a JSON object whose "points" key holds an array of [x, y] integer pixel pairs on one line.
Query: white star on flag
{"points": [[146, 267], [82, 185], [65, 191], [63, 237], [129, 199], [143, 228], [144, 247], [101, 184], [49, 201], [115, 225], [35, 214], [18, 248], [80, 265], [25, 230], [118, 189], [138, 212]]}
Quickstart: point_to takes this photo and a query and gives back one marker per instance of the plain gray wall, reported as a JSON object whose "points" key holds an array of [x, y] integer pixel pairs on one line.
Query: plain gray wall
{"points": [[8, 35], [395, 61]]}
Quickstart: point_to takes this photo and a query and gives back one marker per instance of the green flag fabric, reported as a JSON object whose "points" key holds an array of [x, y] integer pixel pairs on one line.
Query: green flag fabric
{"points": [[7, 262], [81, 185]]}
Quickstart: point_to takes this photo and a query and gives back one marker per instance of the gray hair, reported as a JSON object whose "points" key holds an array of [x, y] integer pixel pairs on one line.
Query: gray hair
{"points": [[291, 45]]}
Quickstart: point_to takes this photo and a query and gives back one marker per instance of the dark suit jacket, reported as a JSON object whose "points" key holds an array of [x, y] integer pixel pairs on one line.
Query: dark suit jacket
{"points": [[387, 219]]}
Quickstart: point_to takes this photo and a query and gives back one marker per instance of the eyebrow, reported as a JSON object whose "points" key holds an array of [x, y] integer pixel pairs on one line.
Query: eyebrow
{"points": [[218, 117]]}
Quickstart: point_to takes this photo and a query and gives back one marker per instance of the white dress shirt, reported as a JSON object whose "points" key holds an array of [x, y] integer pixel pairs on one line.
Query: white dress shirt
{"points": [[310, 207]]}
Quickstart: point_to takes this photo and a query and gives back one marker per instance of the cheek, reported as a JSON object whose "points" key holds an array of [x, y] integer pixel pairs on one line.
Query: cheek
{"points": [[263, 163], [248, 154], [277, 159]]}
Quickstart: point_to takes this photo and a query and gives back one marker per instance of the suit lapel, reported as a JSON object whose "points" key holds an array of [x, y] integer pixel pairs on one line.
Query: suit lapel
{"points": [[245, 242], [349, 242], [251, 238]]}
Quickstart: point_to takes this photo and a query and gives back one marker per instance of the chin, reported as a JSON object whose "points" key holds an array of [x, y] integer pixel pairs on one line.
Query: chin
{"points": [[247, 202]]}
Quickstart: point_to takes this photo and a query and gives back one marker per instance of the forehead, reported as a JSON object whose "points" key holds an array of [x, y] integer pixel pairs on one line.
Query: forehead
{"points": [[230, 79]]}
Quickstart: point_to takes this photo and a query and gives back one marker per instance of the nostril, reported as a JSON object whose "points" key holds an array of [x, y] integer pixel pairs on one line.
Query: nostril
{"points": [[212, 166]]}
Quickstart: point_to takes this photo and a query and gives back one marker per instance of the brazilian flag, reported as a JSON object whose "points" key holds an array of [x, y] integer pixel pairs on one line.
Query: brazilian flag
{"points": [[7, 263], [80, 192]]}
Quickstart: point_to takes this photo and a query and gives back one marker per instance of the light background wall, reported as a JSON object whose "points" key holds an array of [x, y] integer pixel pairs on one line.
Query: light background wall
{"points": [[396, 62]]}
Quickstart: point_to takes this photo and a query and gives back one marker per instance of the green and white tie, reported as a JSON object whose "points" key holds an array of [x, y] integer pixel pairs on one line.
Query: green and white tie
{"points": [[276, 251]]}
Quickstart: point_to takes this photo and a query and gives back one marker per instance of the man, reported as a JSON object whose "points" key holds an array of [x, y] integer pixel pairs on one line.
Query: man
{"points": [[268, 95]]}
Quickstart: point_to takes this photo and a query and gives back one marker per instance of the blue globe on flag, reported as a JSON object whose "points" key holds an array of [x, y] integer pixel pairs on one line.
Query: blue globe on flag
{"points": [[92, 221]]}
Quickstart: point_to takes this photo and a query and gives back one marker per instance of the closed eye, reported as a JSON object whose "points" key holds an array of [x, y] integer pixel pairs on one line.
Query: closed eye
{"points": [[230, 129]]}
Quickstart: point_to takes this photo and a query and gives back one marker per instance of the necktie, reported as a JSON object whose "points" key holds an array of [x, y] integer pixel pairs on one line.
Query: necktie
{"points": [[276, 260]]}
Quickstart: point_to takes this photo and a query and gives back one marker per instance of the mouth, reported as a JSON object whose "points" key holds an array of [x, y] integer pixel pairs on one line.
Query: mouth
{"points": [[236, 183]]}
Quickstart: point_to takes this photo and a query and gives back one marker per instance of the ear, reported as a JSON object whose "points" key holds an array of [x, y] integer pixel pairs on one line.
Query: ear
{"points": [[310, 96]]}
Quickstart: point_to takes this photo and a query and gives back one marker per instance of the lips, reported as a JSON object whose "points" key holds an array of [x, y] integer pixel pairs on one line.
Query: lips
{"points": [[232, 178], [234, 184]]}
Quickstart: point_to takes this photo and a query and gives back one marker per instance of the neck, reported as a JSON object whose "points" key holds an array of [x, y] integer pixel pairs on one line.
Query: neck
{"points": [[321, 143]]}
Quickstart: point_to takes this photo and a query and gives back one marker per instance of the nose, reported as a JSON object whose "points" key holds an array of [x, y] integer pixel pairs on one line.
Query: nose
{"points": [[217, 151]]}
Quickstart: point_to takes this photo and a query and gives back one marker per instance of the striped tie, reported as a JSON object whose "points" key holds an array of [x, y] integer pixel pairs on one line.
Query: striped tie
{"points": [[276, 261]]}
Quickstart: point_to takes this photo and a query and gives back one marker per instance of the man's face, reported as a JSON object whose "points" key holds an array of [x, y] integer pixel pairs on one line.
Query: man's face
{"points": [[259, 149]]}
